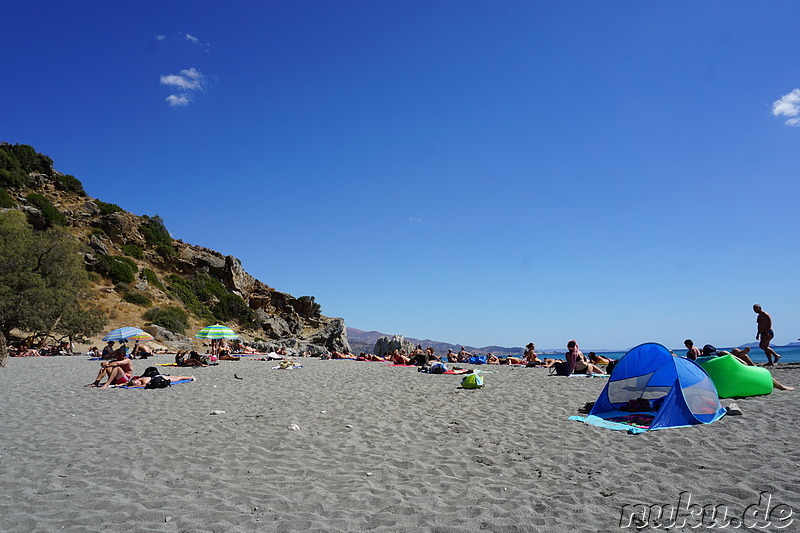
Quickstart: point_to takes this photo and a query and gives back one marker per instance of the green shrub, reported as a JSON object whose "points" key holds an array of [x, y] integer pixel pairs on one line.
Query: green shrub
{"points": [[154, 231], [174, 319], [97, 231], [17, 161], [5, 199], [68, 182], [118, 269], [151, 278], [106, 208], [122, 288], [52, 216], [133, 251], [185, 291], [137, 298], [232, 307]]}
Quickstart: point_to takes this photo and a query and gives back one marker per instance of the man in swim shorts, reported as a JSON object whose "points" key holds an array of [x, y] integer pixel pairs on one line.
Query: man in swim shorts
{"points": [[765, 334], [118, 371]]}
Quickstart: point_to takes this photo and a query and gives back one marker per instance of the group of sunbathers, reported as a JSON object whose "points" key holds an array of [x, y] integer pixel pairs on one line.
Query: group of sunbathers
{"points": [[119, 372]]}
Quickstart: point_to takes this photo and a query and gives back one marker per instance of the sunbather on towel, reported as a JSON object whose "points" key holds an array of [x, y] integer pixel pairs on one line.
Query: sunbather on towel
{"points": [[116, 372], [182, 358], [141, 381], [399, 358]]}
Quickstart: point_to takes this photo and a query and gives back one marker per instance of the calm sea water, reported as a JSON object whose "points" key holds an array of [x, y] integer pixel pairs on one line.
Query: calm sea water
{"points": [[789, 354]]}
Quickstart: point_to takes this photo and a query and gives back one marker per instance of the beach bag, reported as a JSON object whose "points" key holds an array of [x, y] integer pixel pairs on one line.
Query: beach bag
{"points": [[150, 372], [477, 360], [560, 369], [472, 381], [158, 382], [610, 366]]}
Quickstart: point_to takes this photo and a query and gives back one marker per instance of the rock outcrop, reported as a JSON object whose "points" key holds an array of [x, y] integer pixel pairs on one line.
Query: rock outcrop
{"points": [[385, 345]]}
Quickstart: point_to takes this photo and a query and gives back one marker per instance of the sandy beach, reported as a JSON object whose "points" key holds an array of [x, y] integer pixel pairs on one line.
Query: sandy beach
{"points": [[379, 449]]}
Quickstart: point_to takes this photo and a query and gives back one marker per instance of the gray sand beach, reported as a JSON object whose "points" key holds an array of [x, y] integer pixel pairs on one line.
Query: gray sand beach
{"points": [[379, 448]]}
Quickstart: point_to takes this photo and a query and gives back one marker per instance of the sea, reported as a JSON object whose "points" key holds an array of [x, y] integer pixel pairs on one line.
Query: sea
{"points": [[789, 354]]}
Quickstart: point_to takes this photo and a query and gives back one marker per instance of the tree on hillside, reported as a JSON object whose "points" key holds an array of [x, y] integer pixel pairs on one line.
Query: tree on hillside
{"points": [[43, 283]]}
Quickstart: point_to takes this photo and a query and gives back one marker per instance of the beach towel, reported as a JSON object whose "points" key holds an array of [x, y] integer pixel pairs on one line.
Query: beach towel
{"points": [[593, 420], [457, 372]]}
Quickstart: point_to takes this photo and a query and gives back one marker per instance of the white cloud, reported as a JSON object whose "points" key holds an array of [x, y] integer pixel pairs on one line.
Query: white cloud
{"points": [[191, 38], [416, 220], [178, 100], [189, 79], [788, 106], [160, 37]]}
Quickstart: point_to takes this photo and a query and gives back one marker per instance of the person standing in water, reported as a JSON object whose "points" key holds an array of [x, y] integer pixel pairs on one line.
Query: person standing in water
{"points": [[764, 334]]}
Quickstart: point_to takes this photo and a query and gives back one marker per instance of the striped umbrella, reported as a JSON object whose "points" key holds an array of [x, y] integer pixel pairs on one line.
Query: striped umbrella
{"points": [[125, 333], [217, 331], [143, 336]]}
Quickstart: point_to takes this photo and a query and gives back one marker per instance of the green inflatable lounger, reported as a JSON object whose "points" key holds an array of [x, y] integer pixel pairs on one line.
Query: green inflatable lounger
{"points": [[732, 378]]}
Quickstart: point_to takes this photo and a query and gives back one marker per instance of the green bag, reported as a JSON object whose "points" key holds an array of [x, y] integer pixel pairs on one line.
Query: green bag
{"points": [[472, 381]]}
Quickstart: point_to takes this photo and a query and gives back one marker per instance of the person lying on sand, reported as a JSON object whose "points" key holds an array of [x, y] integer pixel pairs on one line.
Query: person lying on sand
{"points": [[512, 361], [492, 359], [598, 359], [116, 372], [398, 358], [741, 355], [141, 381], [182, 358]]}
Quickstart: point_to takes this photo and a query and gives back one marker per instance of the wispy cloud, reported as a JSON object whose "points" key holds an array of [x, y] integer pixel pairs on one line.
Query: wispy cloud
{"points": [[415, 220], [188, 81], [788, 106], [188, 37], [160, 37]]}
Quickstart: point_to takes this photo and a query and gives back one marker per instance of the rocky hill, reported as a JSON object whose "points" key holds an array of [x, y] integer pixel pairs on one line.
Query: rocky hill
{"points": [[143, 277]]}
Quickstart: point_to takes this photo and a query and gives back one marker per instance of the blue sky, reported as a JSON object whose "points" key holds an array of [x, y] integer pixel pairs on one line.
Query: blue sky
{"points": [[470, 172]]}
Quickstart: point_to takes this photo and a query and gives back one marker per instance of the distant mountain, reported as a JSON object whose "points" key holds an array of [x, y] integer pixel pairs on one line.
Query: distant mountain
{"points": [[364, 341]]}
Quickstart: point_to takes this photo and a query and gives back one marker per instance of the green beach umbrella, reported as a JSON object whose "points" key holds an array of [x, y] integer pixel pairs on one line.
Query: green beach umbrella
{"points": [[217, 331]]}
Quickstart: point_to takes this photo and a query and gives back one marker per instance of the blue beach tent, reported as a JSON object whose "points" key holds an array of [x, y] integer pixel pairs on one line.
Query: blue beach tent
{"points": [[650, 371]]}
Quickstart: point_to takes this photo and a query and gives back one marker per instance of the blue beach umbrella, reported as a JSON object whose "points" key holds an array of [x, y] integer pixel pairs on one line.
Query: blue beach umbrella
{"points": [[124, 333]]}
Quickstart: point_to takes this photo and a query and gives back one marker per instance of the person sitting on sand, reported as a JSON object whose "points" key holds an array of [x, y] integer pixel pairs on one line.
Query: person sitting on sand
{"points": [[451, 356], [141, 381], [463, 355], [140, 350], [108, 351], [692, 351], [116, 372], [598, 359], [530, 355], [94, 351], [578, 362]]}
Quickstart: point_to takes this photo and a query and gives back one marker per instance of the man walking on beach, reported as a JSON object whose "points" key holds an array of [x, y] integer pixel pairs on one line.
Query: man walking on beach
{"points": [[765, 334]]}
